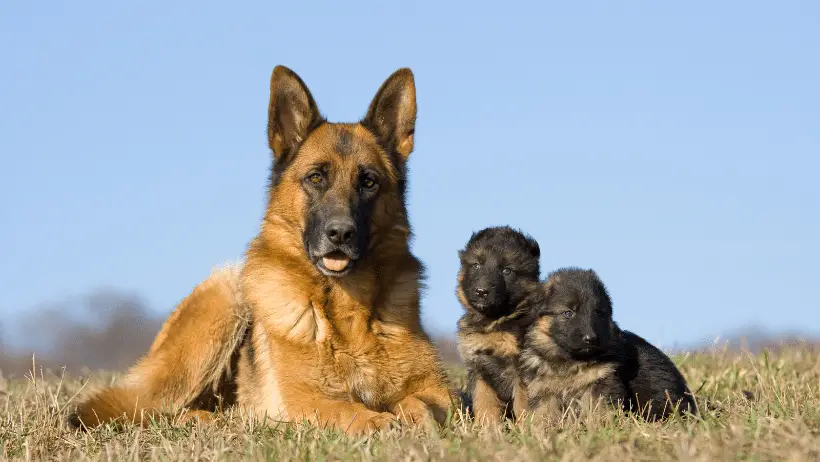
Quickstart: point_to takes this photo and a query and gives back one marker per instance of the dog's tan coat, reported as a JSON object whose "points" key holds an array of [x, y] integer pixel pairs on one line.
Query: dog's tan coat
{"points": [[276, 336]]}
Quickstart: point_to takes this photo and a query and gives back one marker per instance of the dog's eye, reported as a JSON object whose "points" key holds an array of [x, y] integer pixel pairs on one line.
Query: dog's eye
{"points": [[315, 178], [506, 271], [568, 314], [475, 266], [368, 183]]}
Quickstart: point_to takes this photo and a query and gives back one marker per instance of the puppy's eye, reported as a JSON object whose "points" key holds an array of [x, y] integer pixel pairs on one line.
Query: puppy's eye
{"points": [[568, 314], [476, 266], [506, 271], [315, 178], [368, 183]]}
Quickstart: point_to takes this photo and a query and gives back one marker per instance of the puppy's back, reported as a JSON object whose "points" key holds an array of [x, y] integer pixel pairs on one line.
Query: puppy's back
{"points": [[650, 375]]}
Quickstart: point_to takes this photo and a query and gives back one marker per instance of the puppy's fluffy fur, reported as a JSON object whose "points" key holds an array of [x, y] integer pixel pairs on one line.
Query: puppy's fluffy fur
{"points": [[573, 351], [499, 267]]}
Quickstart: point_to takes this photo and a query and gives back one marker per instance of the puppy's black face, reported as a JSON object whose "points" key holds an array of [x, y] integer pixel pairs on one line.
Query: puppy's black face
{"points": [[498, 267], [577, 313]]}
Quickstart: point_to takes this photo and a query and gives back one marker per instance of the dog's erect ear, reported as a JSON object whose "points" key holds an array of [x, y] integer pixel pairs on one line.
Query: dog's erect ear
{"points": [[392, 113], [292, 113]]}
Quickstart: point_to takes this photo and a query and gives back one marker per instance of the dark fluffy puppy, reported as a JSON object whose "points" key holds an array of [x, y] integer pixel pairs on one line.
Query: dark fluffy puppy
{"points": [[572, 350], [499, 268]]}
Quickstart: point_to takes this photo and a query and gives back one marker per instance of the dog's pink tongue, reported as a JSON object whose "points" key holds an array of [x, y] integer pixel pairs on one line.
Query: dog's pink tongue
{"points": [[335, 263]]}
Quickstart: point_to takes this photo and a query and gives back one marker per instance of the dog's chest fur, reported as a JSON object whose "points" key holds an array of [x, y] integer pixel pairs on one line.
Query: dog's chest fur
{"points": [[492, 355], [346, 342], [354, 363], [559, 381], [346, 361]]}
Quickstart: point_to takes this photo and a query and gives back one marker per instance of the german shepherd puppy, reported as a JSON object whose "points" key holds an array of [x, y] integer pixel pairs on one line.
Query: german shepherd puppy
{"points": [[573, 350], [322, 321], [499, 267]]}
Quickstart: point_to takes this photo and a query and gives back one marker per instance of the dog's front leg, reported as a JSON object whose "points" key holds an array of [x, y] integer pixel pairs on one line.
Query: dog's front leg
{"points": [[347, 416], [520, 400], [487, 406], [426, 407]]}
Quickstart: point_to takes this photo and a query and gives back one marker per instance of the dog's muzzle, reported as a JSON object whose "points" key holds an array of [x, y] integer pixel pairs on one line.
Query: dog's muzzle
{"points": [[335, 252]]}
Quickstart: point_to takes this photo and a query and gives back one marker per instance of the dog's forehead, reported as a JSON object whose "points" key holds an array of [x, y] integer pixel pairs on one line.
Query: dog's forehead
{"points": [[580, 297], [500, 250], [485, 254], [349, 145], [565, 295], [491, 254]]}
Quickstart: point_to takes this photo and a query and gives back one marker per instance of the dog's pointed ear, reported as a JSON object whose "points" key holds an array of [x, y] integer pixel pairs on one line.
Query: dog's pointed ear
{"points": [[392, 113], [292, 112]]}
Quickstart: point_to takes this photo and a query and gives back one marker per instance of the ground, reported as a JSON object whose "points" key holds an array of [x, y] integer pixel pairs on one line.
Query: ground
{"points": [[755, 407]]}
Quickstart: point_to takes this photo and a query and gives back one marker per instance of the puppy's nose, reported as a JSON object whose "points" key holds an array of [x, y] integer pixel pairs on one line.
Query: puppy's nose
{"points": [[482, 293], [340, 231], [590, 339]]}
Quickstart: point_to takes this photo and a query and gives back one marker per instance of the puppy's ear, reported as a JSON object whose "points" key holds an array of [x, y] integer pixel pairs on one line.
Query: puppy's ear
{"points": [[392, 113], [600, 287], [534, 293], [535, 250], [530, 301], [292, 112], [551, 285], [530, 243], [531, 307], [615, 331]]}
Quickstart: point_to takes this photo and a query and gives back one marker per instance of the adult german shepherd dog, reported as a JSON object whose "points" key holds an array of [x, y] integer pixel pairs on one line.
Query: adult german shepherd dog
{"points": [[321, 322]]}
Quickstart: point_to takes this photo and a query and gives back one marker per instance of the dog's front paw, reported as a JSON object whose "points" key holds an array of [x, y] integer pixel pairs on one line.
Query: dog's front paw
{"points": [[194, 416], [369, 423], [381, 421], [413, 411]]}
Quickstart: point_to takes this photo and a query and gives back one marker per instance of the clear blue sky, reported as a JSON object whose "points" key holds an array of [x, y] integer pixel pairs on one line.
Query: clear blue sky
{"points": [[673, 147]]}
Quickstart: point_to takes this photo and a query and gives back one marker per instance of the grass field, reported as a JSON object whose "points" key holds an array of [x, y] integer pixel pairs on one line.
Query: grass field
{"points": [[759, 407]]}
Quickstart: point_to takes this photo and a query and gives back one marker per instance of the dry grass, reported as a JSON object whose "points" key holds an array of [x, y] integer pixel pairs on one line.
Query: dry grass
{"points": [[760, 407]]}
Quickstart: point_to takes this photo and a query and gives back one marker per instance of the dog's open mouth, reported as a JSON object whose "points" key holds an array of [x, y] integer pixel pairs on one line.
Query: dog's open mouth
{"points": [[335, 264]]}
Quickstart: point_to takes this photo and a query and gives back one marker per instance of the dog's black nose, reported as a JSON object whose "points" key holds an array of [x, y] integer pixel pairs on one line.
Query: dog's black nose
{"points": [[482, 293], [590, 339], [340, 231]]}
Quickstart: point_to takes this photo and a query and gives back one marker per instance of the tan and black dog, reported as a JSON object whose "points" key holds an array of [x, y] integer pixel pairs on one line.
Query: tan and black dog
{"points": [[322, 320], [573, 352], [499, 267]]}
